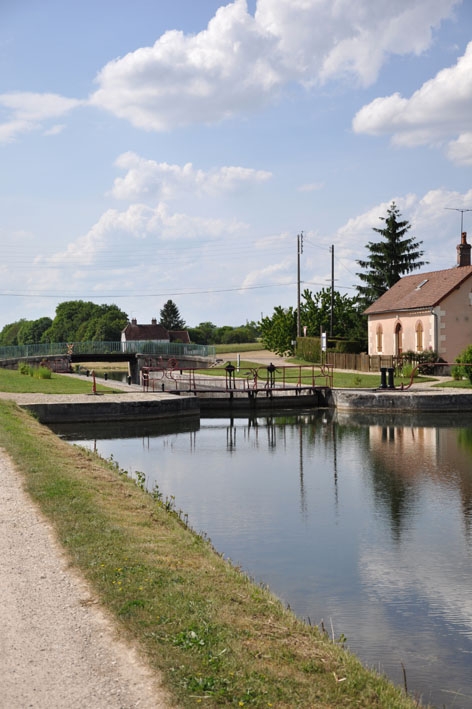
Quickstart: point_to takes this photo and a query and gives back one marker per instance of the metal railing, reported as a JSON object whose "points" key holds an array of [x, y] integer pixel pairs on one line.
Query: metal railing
{"points": [[228, 379], [50, 349]]}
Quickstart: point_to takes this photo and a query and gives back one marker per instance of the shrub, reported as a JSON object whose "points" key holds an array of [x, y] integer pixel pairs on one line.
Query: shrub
{"points": [[465, 358], [424, 360]]}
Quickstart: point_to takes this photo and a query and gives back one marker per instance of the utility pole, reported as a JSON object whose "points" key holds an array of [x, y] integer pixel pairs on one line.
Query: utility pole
{"points": [[299, 252], [332, 292]]}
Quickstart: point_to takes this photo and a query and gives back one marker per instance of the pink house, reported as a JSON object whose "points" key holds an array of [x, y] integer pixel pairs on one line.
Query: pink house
{"points": [[427, 311]]}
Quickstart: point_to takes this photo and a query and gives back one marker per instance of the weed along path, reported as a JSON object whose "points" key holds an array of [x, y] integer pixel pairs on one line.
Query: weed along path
{"points": [[58, 649]]}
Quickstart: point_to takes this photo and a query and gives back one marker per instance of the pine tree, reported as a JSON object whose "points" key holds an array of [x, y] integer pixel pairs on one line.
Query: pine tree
{"points": [[170, 317], [390, 258]]}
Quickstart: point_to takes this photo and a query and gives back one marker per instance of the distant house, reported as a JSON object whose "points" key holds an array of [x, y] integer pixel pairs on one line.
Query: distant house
{"points": [[155, 332], [427, 311]]}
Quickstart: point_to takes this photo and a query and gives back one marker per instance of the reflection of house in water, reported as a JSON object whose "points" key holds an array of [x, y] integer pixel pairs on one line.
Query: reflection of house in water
{"points": [[414, 452], [405, 456]]}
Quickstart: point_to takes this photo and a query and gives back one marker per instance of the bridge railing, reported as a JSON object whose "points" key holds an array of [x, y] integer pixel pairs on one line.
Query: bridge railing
{"points": [[49, 349]]}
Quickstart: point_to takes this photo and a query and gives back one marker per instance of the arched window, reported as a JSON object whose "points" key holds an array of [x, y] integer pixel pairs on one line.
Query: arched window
{"points": [[419, 336], [379, 335], [398, 339]]}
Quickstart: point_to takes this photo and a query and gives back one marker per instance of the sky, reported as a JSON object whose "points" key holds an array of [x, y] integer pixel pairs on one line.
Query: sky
{"points": [[175, 149]]}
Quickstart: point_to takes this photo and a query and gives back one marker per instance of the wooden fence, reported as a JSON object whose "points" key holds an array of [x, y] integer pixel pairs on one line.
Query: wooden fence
{"points": [[359, 362]]}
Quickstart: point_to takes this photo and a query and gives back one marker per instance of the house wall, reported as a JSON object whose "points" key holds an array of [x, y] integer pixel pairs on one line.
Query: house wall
{"points": [[447, 328], [409, 323], [455, 322]]}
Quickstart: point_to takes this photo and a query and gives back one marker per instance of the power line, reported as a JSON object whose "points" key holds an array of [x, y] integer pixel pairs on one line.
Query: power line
{"points": [[13, 294]]}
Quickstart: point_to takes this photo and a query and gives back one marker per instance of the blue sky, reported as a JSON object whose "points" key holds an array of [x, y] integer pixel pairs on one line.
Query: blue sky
{"points": [[174, 148]]}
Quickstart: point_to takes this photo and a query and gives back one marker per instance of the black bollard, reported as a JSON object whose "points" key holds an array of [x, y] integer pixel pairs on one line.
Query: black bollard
{"points": [[390, 373], [383, 377]]}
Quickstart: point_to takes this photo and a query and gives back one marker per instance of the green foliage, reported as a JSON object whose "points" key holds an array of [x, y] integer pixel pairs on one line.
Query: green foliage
{"points": [[84, 321], [309, 349], [395, 255], [206, 333], [9, 334], [465, 358], [280, 331], [348, 321], [36, 372], [350, 346], [423, 360], [170, 317]]}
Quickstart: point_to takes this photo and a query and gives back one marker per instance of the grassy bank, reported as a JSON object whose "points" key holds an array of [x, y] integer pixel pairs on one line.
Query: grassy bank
{"points": [[217, 638], [12, 381]]}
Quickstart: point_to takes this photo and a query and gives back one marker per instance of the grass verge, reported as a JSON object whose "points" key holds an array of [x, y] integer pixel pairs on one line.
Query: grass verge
{"points": [[12, 382], [217, 638]]}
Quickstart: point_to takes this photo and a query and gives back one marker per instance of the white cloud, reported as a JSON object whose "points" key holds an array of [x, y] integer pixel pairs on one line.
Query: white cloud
{"points": [[433, 222], [440, 109], [136, 231], [460, 150], [311, 187], [29, 111], [275, 273], [148, 180], [240, 61]]}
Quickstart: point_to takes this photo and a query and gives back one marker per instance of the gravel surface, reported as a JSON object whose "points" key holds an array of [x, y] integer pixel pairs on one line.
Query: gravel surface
{"points": [[59, 649]]}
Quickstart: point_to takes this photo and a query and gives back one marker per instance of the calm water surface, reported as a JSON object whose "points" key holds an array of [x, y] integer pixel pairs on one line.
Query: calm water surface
{"points": [[361, 522]]}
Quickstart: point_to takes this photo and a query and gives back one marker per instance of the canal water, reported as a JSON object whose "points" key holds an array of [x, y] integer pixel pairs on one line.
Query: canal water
{"points": [[361, 523]]}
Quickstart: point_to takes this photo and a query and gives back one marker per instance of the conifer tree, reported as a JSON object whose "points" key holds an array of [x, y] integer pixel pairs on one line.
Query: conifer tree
{"points": [[170, 317], [395, 255]]}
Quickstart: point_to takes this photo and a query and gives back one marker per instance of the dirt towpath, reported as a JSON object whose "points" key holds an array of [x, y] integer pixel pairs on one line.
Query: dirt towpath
{"points": [[58, 648]]}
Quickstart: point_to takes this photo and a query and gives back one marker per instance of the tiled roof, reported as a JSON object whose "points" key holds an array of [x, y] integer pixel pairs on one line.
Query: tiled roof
{"points": [[421, 290], [134, 331], [179, 336]]}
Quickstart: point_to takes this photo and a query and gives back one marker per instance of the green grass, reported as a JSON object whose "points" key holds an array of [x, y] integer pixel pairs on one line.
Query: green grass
{"points": [[244, 347], [455, 384], [12, 382], [217, 638]]}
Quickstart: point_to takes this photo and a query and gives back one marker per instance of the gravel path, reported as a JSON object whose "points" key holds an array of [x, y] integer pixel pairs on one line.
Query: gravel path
{"points": [[58, 649]]}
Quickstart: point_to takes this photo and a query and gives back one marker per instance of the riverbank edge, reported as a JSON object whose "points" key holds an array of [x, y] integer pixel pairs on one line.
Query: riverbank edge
{"points": [[261, 656], [144, 407]]}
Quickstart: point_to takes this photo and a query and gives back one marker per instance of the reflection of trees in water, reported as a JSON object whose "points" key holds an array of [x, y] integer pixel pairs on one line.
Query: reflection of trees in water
{"points": [[464, 444]]}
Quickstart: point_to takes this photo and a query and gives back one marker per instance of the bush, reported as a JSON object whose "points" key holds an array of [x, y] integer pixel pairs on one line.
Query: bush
{"points": [[424, 360], [37, 372], [349, 346], [309, 349], [465, 358]]}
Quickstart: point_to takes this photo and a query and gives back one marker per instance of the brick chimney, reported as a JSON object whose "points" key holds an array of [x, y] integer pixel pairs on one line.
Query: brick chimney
{"points": [[463, 251], [134, 321], [154, 321]]}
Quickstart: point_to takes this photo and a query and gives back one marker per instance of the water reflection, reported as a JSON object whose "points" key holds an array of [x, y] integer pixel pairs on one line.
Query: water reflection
{"points": [[361, 521]]}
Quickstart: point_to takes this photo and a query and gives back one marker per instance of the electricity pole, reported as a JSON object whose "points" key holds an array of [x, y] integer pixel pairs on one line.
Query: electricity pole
{"points": [[332, 293], [299, 251]]}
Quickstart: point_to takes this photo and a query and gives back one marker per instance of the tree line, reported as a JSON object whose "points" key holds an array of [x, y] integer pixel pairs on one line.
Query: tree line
{"points": [[394, 255], [84, 321]]}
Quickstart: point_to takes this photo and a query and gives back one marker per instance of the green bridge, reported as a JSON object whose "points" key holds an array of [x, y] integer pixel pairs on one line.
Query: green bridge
{"points": [[106, 351]]}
